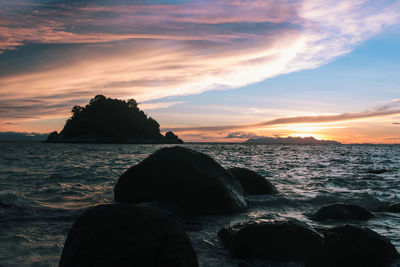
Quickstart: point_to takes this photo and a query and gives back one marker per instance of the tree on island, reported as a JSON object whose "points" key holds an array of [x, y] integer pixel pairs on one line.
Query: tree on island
{"points": [[108, 120]]}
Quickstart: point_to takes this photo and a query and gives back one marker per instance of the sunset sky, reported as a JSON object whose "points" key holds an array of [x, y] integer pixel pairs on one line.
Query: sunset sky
{"points": [[210, 70]]}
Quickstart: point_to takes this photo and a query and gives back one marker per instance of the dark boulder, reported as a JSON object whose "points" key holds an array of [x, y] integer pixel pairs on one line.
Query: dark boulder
{"points": [[252, 182], [279, 240], [126, 235], [189, 180], [393, 208], [341, 211], [4, 205], [349, 245]]}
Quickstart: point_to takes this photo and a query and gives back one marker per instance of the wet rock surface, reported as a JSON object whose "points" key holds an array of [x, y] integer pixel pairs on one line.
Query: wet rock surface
{"points": [[126, 235], [284, 242], [341, 211], [253, 183], [279, 240], [350, 245], [190, 180]]}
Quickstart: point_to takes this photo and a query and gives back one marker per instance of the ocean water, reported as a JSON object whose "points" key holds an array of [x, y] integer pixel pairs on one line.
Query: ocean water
{"points": [[45, 187]]}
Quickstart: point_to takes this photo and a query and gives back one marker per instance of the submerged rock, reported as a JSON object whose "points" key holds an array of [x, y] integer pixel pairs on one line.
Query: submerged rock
{"points": [[252, 182], [341, 211], [349, 245], [126, 235], [393, 208], [280, 240], [378, 171], [190, 180]]}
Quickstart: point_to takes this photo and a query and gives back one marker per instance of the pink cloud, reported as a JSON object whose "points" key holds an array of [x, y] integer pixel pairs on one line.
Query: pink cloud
{"points": [[154, 51]]}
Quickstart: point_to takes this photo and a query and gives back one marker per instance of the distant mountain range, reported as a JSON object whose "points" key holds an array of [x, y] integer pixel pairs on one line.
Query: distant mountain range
{"points": [[19, 137], [289, 140]]}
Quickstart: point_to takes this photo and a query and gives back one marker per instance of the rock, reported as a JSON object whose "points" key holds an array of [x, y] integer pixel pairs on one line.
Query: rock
{"points": [[191, 181], [349, 245], [279, 240], [172, 138], [393, 208], [252, 182], [126, 235], [378, 171], [4, 205], [341, 211], [53, 137]]}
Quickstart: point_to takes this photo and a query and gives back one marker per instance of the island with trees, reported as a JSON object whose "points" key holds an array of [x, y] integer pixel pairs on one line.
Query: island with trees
{"points": [[108, 120]]}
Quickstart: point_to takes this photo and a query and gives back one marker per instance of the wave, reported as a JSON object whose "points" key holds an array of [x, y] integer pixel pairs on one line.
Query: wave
{"points": [[9, 199], [14, 206], [363, 199]]}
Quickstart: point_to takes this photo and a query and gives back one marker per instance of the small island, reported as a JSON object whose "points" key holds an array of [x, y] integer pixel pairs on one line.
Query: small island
{"points": [[108, 120], [289, 140]]}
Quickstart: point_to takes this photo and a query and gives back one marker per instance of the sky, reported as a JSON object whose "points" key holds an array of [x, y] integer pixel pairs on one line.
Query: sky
{"points": [[220, 70]]}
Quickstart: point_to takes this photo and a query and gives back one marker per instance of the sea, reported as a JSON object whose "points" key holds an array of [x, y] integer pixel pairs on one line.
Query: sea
{"points": [[45, 187]]}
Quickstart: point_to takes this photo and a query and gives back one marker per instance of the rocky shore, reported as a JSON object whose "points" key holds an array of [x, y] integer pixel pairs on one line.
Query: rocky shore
{"points": [[191, 183]]}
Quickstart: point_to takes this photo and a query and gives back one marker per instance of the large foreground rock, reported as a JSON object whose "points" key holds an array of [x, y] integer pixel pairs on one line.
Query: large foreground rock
{"points": [[190, 180], [280, 240], [126, 235], [349, 245], [252, 182], [341, 211]]}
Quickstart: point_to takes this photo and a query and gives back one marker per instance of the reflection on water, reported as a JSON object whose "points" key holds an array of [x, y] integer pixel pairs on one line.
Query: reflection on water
{"points": [[45, 187]]}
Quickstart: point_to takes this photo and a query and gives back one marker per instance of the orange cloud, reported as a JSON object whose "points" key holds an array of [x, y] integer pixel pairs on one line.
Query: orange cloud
{"points": [[296, 120]]}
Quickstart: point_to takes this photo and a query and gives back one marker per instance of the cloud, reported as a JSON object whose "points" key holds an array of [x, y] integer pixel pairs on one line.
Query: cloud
{"points": [[296, 120], [150, 51], [240, 135], [66, 23], [158, 105], [396, 123], [34, 108]]}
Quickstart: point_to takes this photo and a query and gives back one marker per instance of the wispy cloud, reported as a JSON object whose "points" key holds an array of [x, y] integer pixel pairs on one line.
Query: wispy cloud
{"points": [[150, 51], [240, 135], [296, 120], [158, 105]]}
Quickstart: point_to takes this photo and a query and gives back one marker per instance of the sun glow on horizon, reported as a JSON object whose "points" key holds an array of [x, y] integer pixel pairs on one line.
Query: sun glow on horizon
{"points": [[304, 135], [306, 130]]}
